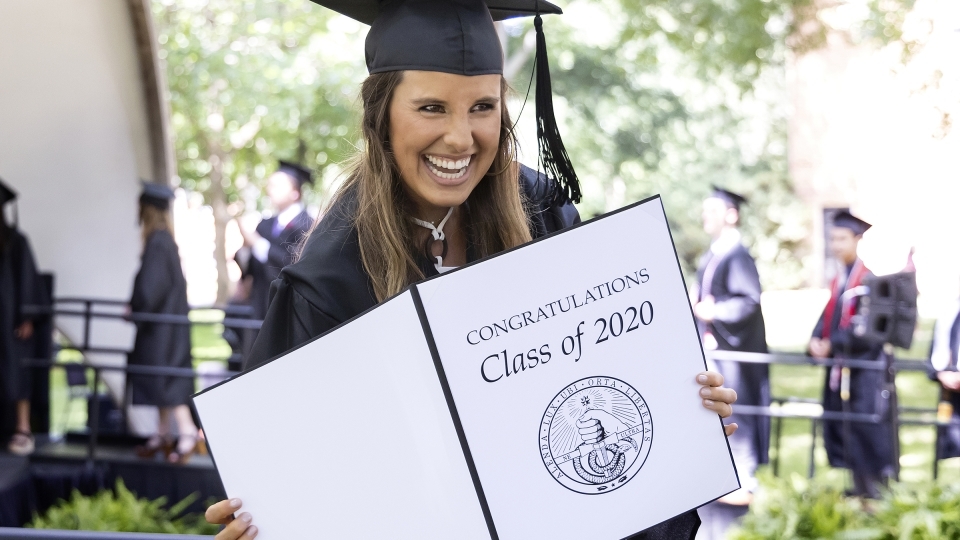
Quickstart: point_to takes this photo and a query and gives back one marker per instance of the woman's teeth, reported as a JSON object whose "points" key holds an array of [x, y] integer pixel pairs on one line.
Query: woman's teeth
{"points": [[448, 169]]}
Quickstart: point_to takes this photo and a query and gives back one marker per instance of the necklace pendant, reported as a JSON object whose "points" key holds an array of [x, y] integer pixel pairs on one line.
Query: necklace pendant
{"points": [[437, 248]]}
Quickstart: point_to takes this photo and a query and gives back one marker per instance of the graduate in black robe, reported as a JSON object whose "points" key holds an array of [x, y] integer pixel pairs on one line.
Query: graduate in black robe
{"points": [[435, 184], [864, 448], [272, 245], [160, 288], [942, 368], [20, 286], [726, 302]]}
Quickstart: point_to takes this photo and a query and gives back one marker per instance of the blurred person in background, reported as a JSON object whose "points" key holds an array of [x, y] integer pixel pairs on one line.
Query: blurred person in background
{"points": [[160, 288], [942, 367], [20, 286], [271, 246], [726, 302], [864, 448]]}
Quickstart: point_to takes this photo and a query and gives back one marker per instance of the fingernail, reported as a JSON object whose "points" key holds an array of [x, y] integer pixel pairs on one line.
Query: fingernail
{"points": [[246, 517], [702, 378], [252, 531], [705, 392], [235, 503], [708, 402]]}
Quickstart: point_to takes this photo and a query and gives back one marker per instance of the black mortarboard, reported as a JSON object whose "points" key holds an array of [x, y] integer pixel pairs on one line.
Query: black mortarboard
{"points": [[299, 173], [156, 195], [458, 36], [7, 193], [847, 220], [733, 200]]}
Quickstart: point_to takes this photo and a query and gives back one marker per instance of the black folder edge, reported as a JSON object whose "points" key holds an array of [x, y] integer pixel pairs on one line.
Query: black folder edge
{"points": [[448, 395], [454, 415]]}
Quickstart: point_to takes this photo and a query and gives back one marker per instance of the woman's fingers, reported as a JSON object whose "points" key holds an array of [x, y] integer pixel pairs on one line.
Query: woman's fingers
{"points": [[239, 529], [730, 429], [719, 407], [222, 512], [725, 395], [710, 378]]}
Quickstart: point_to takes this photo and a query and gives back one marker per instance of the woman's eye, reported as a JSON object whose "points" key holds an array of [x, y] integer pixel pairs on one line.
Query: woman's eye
{"points": [[431, 109], [483, 107]]}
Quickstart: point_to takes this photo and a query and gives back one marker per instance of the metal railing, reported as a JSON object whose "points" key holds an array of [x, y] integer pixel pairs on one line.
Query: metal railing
{"points": [[777, 411], [888, 364], [91, 310]]}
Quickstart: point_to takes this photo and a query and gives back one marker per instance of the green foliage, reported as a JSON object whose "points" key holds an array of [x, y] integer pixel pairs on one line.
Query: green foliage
{"points": [[251, 81], [930, 512], [120, 510], [660, 96], [796, 508]]}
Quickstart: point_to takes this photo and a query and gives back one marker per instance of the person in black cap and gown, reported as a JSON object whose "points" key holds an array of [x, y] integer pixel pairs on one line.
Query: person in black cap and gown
{"points": [[434, 186], [20, 286], [160, 288], [271, 246], [864, 448], [726, 303], [942, 368]]}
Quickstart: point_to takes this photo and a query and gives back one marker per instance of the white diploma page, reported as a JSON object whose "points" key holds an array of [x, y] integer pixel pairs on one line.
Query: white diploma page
{"points": [[572, 365], [348, 436]]}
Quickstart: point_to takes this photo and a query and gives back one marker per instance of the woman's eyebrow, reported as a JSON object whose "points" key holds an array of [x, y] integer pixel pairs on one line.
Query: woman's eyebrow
{"points": [[438, 101], [428, 101]]}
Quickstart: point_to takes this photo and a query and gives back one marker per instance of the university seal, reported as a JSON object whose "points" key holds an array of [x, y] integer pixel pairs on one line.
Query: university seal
{"points": [[595, 435]]}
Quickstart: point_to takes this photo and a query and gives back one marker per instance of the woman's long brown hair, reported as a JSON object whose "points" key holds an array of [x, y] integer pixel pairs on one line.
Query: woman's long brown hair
{"points": [[493, 217], [153, 219]]}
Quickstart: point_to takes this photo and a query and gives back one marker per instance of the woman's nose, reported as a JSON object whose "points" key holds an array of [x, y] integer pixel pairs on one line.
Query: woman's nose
{"points": [[459, 136]]}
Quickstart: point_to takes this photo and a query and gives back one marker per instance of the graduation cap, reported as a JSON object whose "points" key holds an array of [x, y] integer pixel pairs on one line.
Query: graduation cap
{"points": [[459, 37], [733, 200], [299, 173], [7, 193], [156, 195], [846, 220]]}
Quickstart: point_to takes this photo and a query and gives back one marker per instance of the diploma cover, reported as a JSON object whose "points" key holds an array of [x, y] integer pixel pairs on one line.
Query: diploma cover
{"points": [[545, 392]]}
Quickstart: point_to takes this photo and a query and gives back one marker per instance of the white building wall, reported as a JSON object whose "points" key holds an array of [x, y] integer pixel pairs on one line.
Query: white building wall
{"points": [[74, 143]]}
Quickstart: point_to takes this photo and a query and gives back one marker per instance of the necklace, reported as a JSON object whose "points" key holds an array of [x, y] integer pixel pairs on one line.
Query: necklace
{"points": [[436, 246]]}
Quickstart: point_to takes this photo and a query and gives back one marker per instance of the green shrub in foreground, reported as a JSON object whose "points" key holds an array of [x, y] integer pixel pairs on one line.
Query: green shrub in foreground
{"points": [[120, 510], [797, 508]]}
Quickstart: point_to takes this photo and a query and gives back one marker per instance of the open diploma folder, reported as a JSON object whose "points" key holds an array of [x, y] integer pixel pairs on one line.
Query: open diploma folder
{"points": [[546, 392]]}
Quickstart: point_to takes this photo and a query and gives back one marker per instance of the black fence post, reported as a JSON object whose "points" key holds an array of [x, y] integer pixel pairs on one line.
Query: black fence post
{"points": [[95, 421], [813, 448], [778, 431], [87, 316], [893, 407]]}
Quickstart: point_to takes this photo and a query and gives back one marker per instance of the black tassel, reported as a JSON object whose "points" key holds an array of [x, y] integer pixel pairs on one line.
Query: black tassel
{"points": [[554, 161]]}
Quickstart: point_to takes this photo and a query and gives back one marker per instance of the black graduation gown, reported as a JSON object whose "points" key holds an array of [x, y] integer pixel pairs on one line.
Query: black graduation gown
{"points": [[329, 286], [739, 326], [948, 437], [161, 288], [859, 446], [280, 254], [20, 285]]}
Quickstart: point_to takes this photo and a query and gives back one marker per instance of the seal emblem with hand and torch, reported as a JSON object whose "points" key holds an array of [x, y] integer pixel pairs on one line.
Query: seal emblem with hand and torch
{"points": [[595, 435]]}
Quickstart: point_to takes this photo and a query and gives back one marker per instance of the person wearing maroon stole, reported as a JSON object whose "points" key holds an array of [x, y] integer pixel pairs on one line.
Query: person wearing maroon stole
{"points": [[864, 448]]}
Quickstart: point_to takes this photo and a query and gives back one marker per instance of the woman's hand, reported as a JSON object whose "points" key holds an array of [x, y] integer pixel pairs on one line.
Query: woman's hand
{"points": [[717, 398], [238, 528]]}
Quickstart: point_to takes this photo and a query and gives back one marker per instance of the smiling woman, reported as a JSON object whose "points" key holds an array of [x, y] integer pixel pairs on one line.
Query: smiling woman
{"points": [[435, 185]]}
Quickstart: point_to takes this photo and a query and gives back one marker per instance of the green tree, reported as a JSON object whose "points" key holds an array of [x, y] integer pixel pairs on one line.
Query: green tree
{"points": [[670, 96], [250, 82]]}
